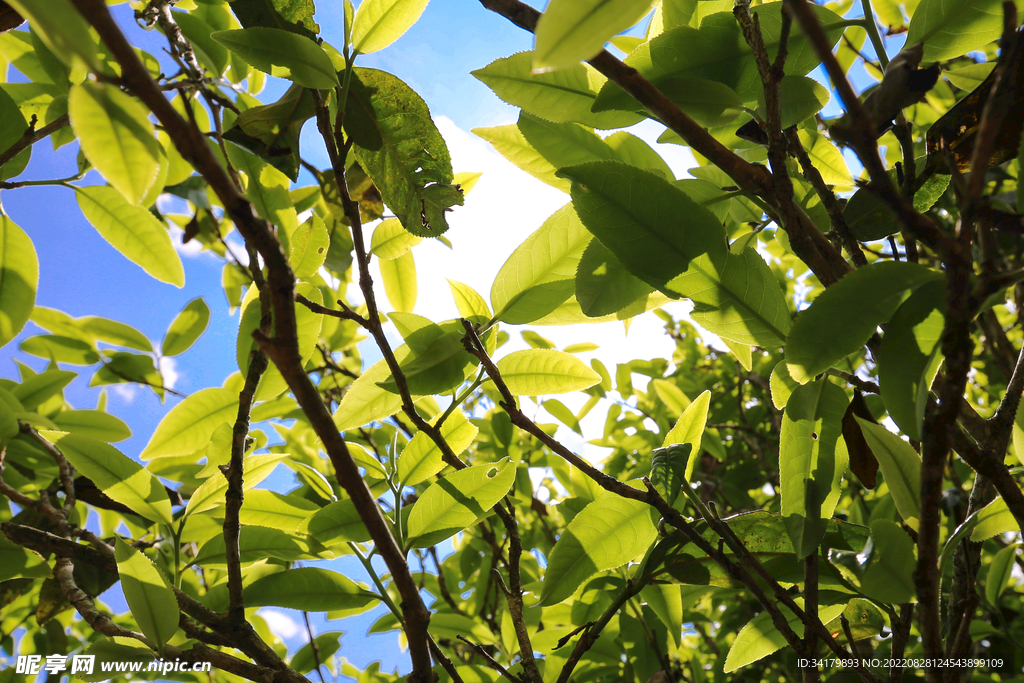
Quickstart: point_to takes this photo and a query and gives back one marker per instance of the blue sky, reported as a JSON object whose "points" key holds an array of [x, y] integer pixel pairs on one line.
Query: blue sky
{"points": [[83, 275]]}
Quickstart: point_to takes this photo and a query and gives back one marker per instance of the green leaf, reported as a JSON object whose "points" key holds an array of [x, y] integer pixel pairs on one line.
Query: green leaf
{"points": [[709, 103], [186, 328], [971, 76], [994, 518], [870, 218], [117, 475], [888, 576], [689, 429], [608, 533], [636, 215], [901, 467], [256, 544], [12, 128], [666, 601], [117, 138], [560, 96], [826, 158], [399, 277], [365, 400], [537, 372], [510, 142], [62, 29], [114, 332], [571, 31], [378, 23], [390, 240], [209, 52], [318, 651], [133, 231], [92, 423], [603, 284], [717, 51], [336, 524], [457, 501], [283, 54], [421, 458], [909, 356], [149, 595], [471, 305], [289, 15], [17, 562], [540, 274], [800, 98], [309, 244], [398, 145], [267, 189], [439, 361], [36, 390], [309, 589], [275, 510], [782, 385], [210, 495], [668, 469], [760, 638], [736, 296], [190, 424], [950, 28], [812, 461], [999, 573], [19, 277], [845, 315]]}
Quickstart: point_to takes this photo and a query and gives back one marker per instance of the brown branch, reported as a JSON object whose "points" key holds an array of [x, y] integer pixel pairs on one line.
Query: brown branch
{"points": [[491, 661], [234, 495], [32, 136]]}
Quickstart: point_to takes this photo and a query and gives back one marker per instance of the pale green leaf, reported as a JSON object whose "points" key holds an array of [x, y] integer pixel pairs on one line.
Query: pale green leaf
{"points": [[133, 231], [190, 424], [210, 494], [186, 328], [994, 518], [114, 332], [399, 278], [570, 31], [901, 467], [561, 96], [889, 575], [19, 277], [92, 423], [540, 274], [950, 28], [256, 544], [35, 390], [62, 29], [782, 385], [537, 372], [760, 638], [608, 533], [336, 524], [800, 98], [309, 244], [971, 76], [812, 461], [275, 510], [117, 475], [470, 303], [458, 501], [116, 136], [378, 23], [421, 458], [689, 429], [148, 594], [390, 240]]}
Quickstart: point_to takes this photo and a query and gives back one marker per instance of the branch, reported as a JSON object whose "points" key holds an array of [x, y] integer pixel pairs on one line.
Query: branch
{"points": [[493, 663], [32, 136]]}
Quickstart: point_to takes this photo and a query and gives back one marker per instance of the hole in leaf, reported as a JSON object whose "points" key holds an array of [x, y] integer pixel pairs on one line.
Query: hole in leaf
{"points": [[492, 473], [814, 435], [320, 250]]}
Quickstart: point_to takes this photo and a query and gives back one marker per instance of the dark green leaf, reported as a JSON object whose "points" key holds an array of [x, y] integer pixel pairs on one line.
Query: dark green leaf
{"points": [[310, 589], [289, 15], [870, 218], [283, 54], [400, 148], [668, 469]]}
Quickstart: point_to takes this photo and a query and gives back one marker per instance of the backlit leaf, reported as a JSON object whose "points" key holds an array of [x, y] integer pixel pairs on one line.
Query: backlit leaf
{"points": [[186, 327], [570, 31], [149, 595], [421, 458], [399, 278], [538, 372], [310, 589], [901, 467], [190, 424], [281, 53], [378, 23], [133, 231], [116, 136], [457, 501], [19, 276]]}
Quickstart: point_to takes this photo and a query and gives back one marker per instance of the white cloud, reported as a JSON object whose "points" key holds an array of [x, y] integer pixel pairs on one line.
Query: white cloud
{"points": [[169, 371], [282, 625], [125, 392]]}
